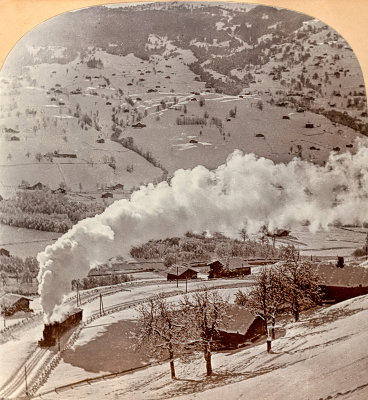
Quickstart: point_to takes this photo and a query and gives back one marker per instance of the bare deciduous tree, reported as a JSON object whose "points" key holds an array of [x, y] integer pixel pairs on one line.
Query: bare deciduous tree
{"points": [[206, 311], [266, 297], [38, 157], [301, 286], [162, 329]]}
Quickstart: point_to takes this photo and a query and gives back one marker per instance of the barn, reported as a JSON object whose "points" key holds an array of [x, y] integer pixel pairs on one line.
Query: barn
{"points": [[38, 186], [118, 186], [139, 125], [232, 269], [339, 284], [4, 252], [12, 303], [241, 328], [181, 273]]}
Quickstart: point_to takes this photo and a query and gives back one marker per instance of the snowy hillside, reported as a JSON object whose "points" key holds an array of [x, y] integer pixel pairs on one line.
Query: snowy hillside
{"points": [[322, 357]]}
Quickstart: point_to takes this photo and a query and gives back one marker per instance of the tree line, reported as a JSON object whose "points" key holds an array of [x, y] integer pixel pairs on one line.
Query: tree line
{"points": [[44, 210], [100, 280], [194, 247]]}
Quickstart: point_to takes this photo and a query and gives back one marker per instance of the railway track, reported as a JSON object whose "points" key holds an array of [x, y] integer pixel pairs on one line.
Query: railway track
{"points": [[41, 362], [17, 380], [86, 297]]}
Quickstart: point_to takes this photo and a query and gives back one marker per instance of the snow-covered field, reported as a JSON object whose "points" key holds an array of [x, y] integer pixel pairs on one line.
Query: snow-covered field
{"points": [[323, 356], [24, 341]]}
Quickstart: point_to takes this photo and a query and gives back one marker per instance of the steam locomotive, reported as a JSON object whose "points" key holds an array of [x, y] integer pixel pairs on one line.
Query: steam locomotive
{"points": [[53, 331]]}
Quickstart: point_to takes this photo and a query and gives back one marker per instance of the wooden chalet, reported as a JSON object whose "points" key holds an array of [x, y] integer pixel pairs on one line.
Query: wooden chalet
{"points": [[38, 186], [341, 283], [12, 303], [233, 268], [63, 155], [118, 186], [4, 252], [181, 273], [59, 190], [10, 130], [241, 328], [139, 125]]}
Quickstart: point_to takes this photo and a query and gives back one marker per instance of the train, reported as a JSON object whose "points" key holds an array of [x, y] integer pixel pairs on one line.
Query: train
{"points": [[52, 332]]}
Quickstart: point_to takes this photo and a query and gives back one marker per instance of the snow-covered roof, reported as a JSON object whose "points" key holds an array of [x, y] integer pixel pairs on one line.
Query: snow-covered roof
{"points": [[10, 299]]}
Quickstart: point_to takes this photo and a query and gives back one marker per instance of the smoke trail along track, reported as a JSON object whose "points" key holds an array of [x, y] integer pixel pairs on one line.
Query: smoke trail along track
{"points": [[198, 199]]}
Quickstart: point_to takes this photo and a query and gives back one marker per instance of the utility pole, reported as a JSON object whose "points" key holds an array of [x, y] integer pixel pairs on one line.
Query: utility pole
{"points": [[59, 339], [101, 305], [25, 378], [77, 293]]}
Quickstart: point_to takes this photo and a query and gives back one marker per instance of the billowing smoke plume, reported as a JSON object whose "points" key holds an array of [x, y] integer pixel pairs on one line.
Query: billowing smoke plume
{"points": [[246, 191]]}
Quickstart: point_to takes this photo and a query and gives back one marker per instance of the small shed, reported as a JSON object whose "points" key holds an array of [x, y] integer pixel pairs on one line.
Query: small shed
{"points": [[241, 329], [181, 273], [59, 190], [139, 125], [118, 186], [12, 303], [233, 268], [4, 252], [107, 195], [38, 186]]}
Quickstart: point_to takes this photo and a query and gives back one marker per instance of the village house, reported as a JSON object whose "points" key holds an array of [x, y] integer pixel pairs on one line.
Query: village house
{"points": [[241, 328], [10, 130], [233, 268], [59, 191], [339, 283], [181, 273], [118, 186], [38, 186], [4, 252], [63, 155], [12, 303], [139, 125]]}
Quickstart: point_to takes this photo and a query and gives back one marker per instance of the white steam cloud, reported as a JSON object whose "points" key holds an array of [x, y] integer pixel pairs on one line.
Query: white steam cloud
{"points": [[246, 191]]}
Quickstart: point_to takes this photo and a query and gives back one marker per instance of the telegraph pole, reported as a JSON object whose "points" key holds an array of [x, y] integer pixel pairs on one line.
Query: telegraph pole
{"points": [[59, 339], [25, 378], [77, 293], [101, 305]]}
